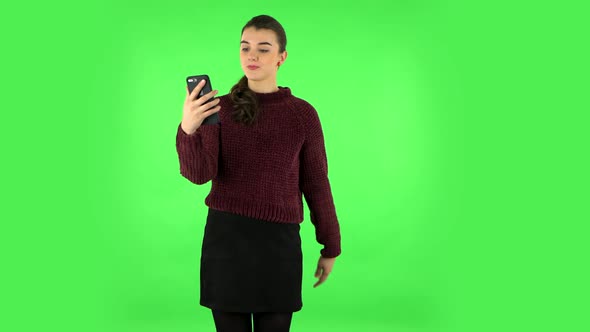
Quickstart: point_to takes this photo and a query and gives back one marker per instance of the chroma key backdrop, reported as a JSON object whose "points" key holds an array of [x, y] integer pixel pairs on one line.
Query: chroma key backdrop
{"points": [[456, 146]]}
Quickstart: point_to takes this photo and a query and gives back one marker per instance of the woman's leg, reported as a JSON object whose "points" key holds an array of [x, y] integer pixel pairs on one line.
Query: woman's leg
{"points": [[232, 321], [272, 321]]}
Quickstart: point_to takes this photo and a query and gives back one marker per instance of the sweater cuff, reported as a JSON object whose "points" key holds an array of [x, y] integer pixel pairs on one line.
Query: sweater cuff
{"points": [[330, 253], [203, 130], [182, 133]]}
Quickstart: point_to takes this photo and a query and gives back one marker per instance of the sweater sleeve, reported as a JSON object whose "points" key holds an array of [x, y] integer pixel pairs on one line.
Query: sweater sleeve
{"points": [[198, 153], [315, 186]]}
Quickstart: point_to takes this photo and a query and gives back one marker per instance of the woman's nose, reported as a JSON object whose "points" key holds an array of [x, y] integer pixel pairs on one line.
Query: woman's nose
{"points": [[252, 56]]}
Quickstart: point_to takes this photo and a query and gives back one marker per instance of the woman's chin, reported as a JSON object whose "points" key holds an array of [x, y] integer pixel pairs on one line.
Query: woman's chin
{"points": [[254, 77]]}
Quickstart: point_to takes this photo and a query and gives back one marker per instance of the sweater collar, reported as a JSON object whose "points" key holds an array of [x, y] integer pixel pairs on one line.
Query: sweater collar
{"points": [[276, 96]]}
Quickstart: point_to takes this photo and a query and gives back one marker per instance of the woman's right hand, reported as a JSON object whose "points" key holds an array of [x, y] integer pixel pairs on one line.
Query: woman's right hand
{"points": [[196, 111]]}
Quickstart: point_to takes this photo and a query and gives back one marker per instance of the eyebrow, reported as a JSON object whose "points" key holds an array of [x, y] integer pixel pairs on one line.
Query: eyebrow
{"points": [[262, 43]]}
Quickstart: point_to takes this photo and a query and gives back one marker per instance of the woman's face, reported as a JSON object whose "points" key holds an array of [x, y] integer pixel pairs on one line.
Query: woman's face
{"points": [[259, 54]]}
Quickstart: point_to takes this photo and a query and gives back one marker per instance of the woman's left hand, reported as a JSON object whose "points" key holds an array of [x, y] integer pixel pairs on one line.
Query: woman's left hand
{"points": [[324, 268]]}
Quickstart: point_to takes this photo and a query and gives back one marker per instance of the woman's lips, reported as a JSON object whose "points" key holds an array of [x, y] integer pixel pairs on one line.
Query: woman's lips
{"points": [[253, 67]]}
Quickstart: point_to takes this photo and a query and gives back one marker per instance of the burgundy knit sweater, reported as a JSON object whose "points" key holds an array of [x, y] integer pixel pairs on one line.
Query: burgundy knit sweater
{"points": [[262, 171]]}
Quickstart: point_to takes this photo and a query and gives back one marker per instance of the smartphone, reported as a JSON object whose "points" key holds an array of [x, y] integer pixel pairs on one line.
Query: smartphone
{"points": [[192, 82]]}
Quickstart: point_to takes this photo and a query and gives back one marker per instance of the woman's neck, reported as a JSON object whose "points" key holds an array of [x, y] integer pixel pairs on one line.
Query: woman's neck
{"points": [[263, 86]]}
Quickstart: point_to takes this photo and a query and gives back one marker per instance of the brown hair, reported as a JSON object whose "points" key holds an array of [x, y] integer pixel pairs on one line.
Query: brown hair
{"points": [[244, 100]]}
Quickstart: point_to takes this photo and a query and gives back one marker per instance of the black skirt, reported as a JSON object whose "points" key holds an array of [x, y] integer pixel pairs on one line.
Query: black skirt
{"points": [[250, 265]]}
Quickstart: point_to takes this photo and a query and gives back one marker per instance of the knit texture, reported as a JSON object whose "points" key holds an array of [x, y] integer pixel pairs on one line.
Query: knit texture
{"points": [[263, 171]]}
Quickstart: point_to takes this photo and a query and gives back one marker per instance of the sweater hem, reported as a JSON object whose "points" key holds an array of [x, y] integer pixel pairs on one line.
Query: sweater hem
{"points": [[256, 209]]}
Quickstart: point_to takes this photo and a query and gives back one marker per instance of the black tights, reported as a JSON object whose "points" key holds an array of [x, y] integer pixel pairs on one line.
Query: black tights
{"points": [[242, 322]]}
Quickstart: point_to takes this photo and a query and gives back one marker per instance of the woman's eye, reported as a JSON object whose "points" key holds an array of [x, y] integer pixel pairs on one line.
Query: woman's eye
{"points": [[261, 51]]}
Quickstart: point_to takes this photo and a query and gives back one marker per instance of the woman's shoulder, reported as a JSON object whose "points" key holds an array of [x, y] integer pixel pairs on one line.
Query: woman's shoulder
{"points": [[305, 112], [298, 101], [303, 103], [303, 108]]}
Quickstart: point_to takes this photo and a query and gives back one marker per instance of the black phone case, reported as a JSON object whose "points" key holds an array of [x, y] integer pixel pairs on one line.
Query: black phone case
{"points": [[192, 82]]}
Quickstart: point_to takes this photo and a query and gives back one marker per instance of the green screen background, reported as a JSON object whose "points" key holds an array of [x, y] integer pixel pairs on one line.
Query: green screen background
{"points": [[456, 135]]}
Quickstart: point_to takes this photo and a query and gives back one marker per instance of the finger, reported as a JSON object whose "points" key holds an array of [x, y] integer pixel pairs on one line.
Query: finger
{"points": [[214, 102], [197, 90], [321, 281], [317, 271], [211, 111], [208, 96], [209, 105]]}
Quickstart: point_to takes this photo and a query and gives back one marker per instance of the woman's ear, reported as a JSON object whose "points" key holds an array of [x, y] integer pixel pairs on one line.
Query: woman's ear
{"points": [[284, 56], [282, 59]]}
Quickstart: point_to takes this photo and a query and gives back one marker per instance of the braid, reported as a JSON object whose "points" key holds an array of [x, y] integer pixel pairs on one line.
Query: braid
{"points": [[244, 102]]}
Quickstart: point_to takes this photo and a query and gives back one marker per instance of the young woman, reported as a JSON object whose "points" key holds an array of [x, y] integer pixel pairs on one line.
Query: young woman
{"points": [[266, 152]]}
